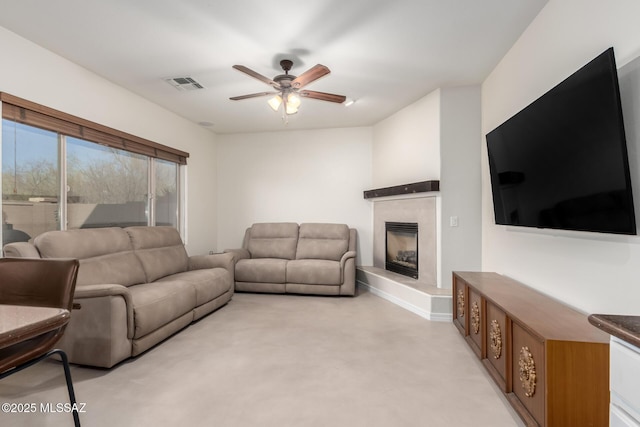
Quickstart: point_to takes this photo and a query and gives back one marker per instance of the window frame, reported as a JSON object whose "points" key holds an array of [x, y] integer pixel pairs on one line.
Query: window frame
{"points": [[65, 125]]}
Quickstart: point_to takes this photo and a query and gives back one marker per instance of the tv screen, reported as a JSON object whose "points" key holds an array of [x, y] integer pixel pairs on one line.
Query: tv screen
{"points": [[561, 162]]}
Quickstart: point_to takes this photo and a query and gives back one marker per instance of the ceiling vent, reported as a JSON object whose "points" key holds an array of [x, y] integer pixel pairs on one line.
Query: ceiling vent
{"points": [[184, 83]]}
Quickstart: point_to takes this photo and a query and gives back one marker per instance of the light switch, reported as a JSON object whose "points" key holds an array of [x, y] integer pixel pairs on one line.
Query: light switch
{"points": [[453, 221]]}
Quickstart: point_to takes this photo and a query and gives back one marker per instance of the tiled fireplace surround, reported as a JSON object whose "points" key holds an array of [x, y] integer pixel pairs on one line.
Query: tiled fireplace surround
{"points": [[421, 296]]}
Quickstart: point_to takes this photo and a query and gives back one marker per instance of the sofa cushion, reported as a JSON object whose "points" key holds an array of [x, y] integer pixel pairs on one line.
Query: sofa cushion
{"points": [[160, 250], [261, 270], [322, 241], [105, 254], [314, 272], [156, 304], [273, 240], [122, 268], [209, 284]]}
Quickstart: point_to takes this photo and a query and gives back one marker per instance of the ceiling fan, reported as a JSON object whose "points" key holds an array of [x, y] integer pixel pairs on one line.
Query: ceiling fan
{"points": [[289, 88]]}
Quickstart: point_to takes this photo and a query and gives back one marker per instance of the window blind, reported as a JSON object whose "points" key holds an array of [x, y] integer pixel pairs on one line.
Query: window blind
{"points": [[33, 114]]}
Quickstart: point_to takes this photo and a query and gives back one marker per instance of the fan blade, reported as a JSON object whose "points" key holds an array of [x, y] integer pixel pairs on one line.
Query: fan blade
{"points": [[255, 75], [323, 96], [253, 95], [312, 74]]}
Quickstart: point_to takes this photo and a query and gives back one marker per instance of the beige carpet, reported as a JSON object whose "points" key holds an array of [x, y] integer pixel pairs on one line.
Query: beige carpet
{"points": [[286, 361]]}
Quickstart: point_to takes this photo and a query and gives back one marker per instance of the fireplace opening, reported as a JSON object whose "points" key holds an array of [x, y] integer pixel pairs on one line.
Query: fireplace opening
{"points": [[402, 248]]}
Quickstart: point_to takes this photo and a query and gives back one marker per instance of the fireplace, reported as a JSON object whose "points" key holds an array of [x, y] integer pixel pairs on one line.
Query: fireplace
{"points": [[402, 248]]}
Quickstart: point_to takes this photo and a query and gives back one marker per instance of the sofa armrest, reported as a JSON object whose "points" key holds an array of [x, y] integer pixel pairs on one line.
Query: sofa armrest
{"points": [[239, 254], [348, 273], [347, 255], [198, 262], [106, 290], [226, 261], [20, 250]]}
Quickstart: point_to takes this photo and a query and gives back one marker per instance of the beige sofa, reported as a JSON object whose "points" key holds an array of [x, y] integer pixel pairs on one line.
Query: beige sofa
{"points": [[136, 286], [304, 259]]}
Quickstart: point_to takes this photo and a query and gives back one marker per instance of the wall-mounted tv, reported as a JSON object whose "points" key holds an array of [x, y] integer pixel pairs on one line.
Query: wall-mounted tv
{"points": [[561, 162]]}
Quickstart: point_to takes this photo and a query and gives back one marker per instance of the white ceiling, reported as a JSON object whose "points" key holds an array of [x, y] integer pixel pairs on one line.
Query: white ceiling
{"points": [[384, 54]]}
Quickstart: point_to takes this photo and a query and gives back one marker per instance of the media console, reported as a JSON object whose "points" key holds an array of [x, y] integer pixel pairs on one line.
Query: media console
{"points": [[552, 365]]}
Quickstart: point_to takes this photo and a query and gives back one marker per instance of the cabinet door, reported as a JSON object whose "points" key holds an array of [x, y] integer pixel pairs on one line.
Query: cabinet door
{"points": [[476, 322], [528, 372], [619, 418], [497, 347], [460, 304], [625, 376]]}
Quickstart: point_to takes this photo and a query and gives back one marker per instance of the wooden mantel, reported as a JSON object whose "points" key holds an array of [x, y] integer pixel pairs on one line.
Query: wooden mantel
{"points": [[416, 187]]}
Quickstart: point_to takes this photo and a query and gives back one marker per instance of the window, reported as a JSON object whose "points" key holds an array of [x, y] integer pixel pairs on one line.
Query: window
{"points": [[62, 172], [30, 189], [166, 193], [106, 187]]}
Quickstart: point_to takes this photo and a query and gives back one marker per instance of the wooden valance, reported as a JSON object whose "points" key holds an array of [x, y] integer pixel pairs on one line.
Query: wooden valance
{"points": [[30, 113]]}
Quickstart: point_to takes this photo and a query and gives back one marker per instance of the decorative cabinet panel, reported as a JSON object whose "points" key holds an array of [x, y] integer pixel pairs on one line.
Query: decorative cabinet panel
{"points": [[460, 306], [496, 344], [528, 373], [552, 365], [476, 320]]}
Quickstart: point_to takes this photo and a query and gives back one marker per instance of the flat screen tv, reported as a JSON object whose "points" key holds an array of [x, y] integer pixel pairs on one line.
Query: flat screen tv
{"points": [[561, 162]]}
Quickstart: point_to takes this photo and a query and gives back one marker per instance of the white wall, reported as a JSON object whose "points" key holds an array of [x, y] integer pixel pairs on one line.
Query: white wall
{"points": [[435, 138], [297, 176], [406, 145], [592, 272], [460, 181], [33, 73]]}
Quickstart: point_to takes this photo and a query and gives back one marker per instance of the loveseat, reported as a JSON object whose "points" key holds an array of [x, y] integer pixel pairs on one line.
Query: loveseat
{"points": [[136, 287], [284, 257]]}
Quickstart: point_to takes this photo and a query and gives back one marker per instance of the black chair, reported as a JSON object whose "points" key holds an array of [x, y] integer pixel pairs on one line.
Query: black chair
{"points": [[36, 298]]}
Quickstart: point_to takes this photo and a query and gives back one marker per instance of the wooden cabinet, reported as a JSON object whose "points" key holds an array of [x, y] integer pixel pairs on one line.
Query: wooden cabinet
{"points": [[552, 365]]}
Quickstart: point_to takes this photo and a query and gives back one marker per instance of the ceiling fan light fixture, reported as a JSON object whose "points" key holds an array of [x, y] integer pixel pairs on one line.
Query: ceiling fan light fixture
{"points": [[294, 100], [291, 110], [292, 104], [275, 102]]}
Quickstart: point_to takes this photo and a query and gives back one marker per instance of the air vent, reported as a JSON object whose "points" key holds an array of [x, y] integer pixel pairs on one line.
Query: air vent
{"points": [[184, 83]]}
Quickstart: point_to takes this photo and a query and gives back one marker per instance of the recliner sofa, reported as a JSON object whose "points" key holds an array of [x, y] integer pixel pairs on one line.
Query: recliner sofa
{"points": [[136, 287], [284, 257]]}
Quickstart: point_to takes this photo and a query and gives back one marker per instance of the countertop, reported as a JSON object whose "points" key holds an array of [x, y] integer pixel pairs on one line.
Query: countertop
{"points": [[626, 328]]}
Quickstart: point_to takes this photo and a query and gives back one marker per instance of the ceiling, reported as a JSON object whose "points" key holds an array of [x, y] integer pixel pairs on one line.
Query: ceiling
{"points": [[383, 54]]}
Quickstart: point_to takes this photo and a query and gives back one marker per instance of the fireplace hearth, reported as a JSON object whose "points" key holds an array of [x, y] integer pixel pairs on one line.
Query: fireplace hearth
{"points": [[402, 248]]}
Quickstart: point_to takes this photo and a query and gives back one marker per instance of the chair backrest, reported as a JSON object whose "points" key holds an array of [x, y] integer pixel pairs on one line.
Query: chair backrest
{"points": [[38, 282]]}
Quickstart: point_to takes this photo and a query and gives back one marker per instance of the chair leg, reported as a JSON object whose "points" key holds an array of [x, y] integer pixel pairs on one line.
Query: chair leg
{"points": [[67, 376]]}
